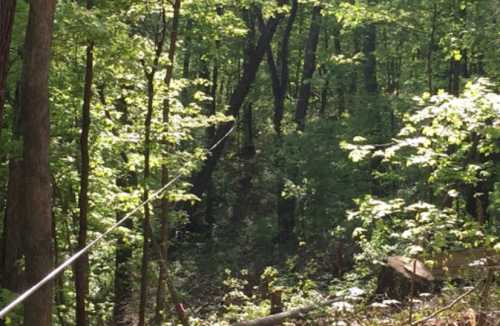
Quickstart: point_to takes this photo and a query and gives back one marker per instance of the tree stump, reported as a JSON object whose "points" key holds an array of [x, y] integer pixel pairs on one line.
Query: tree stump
{"points": [[395, 278]]}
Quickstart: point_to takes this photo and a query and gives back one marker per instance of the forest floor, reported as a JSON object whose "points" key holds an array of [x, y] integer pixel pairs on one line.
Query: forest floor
{"points": [[223, 290]]}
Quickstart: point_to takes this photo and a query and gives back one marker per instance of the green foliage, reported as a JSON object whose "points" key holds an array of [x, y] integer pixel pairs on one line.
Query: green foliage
{"points": [[447, 145]]}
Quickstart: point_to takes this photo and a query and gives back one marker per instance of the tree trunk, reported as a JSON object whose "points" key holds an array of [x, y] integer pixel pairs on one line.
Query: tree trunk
{"points": [[280, 71], [7, 13], [146, 252], [201, 180], [431, 46], [210, 132], [12, 238], [37, 192], [308, 69], [279, 79], [370, 62], [164, 207], [11, 276], [146, 234], [247, 156], [287, 206], [186, 61], [59, 296], [82, 265], [340, 79]]}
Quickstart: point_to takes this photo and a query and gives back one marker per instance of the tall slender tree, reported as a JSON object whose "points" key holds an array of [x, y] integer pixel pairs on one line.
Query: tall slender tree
{"points": [[12, 277], [287, 206], [37, 193], [164, 207], [82, 265], [149, 72], [308, 69], [279, 72]]}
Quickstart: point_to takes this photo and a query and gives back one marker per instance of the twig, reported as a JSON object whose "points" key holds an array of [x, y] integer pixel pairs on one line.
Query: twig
{"points": [[449, 306]]}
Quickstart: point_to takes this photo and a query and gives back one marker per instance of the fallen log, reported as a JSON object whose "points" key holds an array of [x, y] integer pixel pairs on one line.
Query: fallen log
{"points": [[276, 319]]}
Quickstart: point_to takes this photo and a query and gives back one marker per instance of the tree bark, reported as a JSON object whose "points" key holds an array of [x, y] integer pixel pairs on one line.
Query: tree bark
{"points": [[150, 73], [279, 79], [82, 265], [247, 157], [186, 60], [431, 46], [164, 207], [370, 63], [37, 192], [308, 69], [11, 276], [12, 239], [341, 79], [280, 71], [7, 14]]}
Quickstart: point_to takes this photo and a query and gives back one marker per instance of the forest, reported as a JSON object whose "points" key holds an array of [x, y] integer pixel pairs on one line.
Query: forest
{"points": [[249, 162]]}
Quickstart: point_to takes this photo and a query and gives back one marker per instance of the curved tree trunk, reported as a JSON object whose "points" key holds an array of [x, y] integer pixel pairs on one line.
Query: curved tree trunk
{"points": [[201, 180]]}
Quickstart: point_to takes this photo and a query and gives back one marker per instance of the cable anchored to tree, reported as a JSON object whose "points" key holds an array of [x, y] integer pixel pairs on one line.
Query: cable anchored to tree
{"points": [[93, 243]]}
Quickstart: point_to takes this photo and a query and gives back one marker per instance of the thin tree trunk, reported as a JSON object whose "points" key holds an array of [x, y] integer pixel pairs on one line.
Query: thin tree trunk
{"points": [[213, 89], [186, 60], [370, 63], [82, 265], [287, 206], [340, 87], [279, 79], [7, 14], [247, 156], [37, 192], [12, 238], [323, 71], [11, 276], [308, 69], [146, 254], [431, 46], [280, 71], [146, 234], [164, 207], [59, 286]]}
